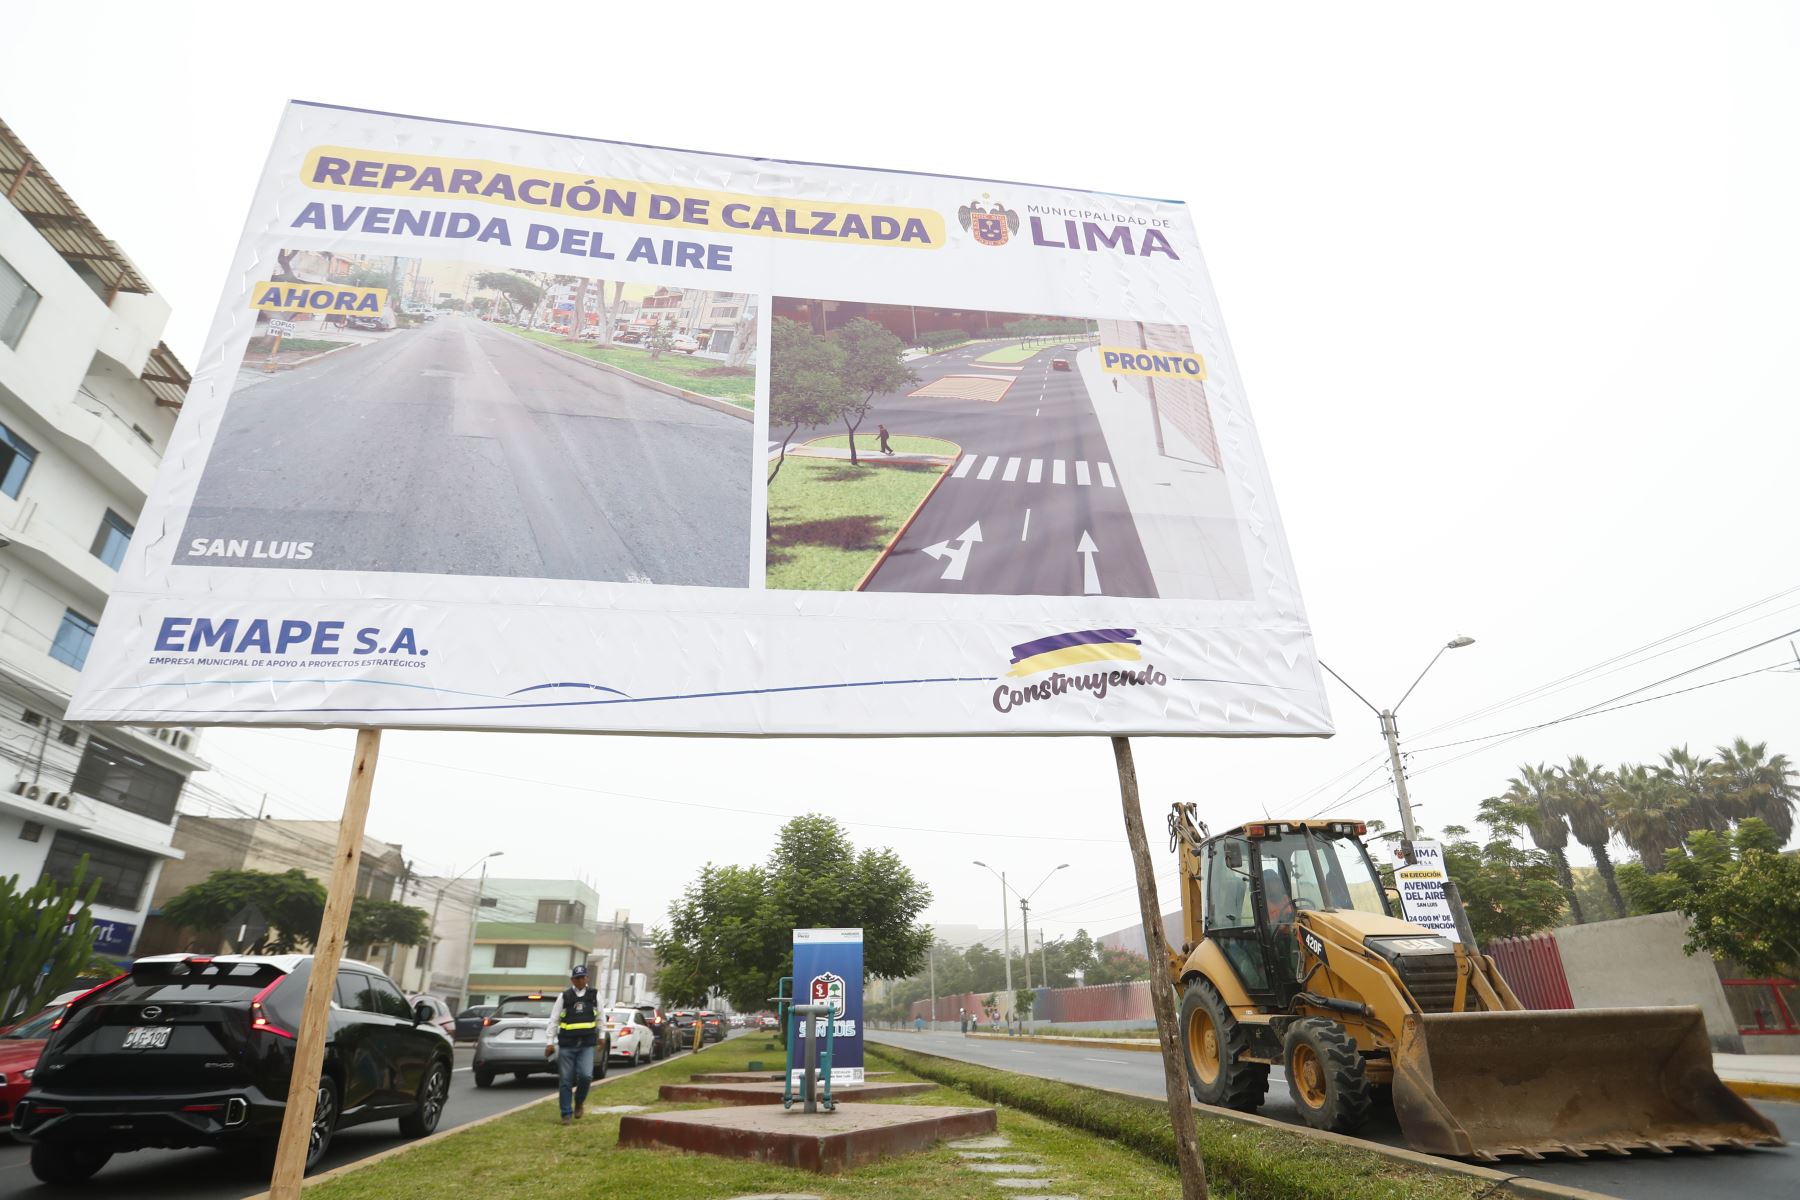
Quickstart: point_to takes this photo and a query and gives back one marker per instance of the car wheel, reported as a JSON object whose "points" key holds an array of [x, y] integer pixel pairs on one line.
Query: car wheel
{"points": [[65, 1162], [483, 1079], [324, 1124], [433, 1091]]}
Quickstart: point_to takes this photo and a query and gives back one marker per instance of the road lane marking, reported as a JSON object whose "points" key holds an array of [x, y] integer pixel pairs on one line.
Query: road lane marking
{"points": [[1012, 471], [962, 468], [1035, 471], [987, 468], [1106, 475], [1056, 472], [1081, 472], [1090, 574], [1027, 532], [1011, 1050], [1121, 1062]]}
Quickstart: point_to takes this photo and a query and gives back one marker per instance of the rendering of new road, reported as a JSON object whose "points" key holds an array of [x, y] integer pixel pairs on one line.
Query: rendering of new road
{"points": [[458, 448], [1764, 1174], [1033, 506]]}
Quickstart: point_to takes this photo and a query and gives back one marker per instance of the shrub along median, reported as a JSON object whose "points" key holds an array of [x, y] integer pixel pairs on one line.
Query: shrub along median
{"points": [[707, 376], [532, 1154], [1245, 1161]]}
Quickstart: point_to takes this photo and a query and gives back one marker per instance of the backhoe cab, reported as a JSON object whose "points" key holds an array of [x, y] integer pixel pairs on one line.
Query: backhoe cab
{"points": [[1294, 955]]}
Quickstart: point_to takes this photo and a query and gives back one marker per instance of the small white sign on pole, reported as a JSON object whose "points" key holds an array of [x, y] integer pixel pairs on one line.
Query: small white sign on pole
{"points": [[280, 328], [1421, 885]]}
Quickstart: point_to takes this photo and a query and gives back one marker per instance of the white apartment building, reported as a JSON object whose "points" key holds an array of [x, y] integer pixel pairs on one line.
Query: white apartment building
{"points": [[88, 398]]}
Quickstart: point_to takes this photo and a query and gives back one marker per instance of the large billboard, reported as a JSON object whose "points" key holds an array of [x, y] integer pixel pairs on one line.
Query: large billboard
{"points": [[500, 429]]}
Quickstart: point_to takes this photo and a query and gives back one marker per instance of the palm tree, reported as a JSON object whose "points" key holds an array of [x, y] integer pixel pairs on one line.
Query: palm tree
{"points": [[1537, 793], [1647, 813], [1756, 785], [1694, 780], [1583, 796]]}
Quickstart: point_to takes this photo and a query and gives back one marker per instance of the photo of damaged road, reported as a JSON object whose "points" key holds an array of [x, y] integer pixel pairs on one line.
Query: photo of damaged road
{"points": [[506, 426], [1020, 459]]}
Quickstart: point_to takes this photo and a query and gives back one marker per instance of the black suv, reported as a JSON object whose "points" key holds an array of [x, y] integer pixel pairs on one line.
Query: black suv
{"points": [[189, 1050]]}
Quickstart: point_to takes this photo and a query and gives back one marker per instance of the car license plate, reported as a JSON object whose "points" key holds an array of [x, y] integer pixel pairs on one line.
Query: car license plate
{"points": [[524, 1035], [147, 1037]]}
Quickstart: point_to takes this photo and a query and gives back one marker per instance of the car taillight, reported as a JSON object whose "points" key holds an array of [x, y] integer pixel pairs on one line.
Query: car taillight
{"points": [[70, 1006], [259, 1016], [486, 1021]]}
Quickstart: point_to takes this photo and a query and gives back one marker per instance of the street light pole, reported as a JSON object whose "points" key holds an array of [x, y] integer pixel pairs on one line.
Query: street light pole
{"points": [[1005, 923], [431, 949], [474, 919], [1390, 733]]}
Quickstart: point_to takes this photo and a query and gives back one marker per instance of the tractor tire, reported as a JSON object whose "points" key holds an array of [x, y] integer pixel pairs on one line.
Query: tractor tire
{"points": [[1325, 1076], [1211, 1040]]}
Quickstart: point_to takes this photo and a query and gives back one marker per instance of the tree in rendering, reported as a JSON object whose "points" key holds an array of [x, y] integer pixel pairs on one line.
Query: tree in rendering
{"points": [[48, 934], [660, 340], [874, 364], [520, 292], [732, 928], [806, 386], [1583, 800]]}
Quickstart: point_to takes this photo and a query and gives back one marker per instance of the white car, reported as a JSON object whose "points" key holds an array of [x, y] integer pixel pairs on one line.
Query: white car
{"points": [[632, 1041], [683, 344]]}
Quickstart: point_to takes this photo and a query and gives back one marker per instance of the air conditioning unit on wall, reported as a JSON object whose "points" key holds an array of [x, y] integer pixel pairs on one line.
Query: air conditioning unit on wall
{"points": [[184, 741], [58, 799]]}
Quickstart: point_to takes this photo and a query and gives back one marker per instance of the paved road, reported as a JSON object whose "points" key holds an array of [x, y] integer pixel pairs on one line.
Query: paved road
{"points": [[458, 448], [1770, 1174], [209, 1175], [1035, 479]]}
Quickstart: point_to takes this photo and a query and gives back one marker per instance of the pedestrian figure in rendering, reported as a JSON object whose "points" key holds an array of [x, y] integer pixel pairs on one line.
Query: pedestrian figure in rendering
{"points": [[1115, 383], [882, 433], [575, 1025]]}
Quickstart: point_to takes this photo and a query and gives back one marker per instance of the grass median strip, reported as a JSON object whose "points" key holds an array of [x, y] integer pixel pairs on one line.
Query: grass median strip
{"points": [[532, 1153], [828, 520], [707, 376], [1245, 1161], [868, 445]]}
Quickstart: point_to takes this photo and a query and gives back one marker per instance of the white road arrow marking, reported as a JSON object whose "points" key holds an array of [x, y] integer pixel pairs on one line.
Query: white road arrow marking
{"points": [[1090, 575], [957, 554]]}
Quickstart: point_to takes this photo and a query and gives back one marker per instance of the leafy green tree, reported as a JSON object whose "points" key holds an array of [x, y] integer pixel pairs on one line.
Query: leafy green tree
{"points": [[1740, 892], [732, 928], [1754, 784], [1536, 796], [1507, 890], [1117, 966], [806, 386], [1583, 800], [874, 364], [48, 934], [385, 923], [292, 902], [1023, 999], [1646, 812]]}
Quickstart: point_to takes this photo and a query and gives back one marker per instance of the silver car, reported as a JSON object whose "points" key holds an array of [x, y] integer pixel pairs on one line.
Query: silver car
{"points": [[512, 1040]]}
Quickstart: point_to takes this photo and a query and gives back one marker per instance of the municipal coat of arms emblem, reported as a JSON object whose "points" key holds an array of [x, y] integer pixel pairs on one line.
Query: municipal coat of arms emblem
{"points": [[992, 225], [829, 989]]}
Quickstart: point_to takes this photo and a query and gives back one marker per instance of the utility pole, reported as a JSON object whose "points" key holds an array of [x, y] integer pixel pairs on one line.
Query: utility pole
{"points": [[1390, 729], [1025, 936], [474, 919], [931, 960]]}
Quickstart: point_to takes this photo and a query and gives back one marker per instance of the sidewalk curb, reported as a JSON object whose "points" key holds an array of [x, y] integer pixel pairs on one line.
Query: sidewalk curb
{"points": [[704, 401], [1759, 1089], [1512, 1185], [907, 524], [1090, 1043], [408, 1147]]}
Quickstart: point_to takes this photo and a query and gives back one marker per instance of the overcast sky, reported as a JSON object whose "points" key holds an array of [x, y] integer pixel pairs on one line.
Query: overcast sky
{"points": [[1514, 298]]}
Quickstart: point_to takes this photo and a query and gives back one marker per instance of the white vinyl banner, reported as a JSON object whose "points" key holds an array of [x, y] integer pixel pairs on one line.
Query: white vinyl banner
{"points": [[498, 429]]}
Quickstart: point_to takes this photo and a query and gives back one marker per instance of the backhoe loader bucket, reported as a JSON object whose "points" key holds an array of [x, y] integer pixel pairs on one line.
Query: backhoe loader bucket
{"points": [[1606, 1080]]}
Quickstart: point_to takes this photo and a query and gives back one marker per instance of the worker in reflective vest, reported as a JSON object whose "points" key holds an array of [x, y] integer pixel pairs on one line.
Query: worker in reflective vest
{"points": [[572, 1035]]}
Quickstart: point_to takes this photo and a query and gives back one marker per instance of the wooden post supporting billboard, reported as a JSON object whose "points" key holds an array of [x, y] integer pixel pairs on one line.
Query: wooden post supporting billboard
{"points": [[1162, 994], [309, 1047]]}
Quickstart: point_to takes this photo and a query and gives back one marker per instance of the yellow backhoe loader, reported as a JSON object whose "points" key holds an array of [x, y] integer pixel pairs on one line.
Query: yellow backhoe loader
{"points": [[1294, 955]]}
